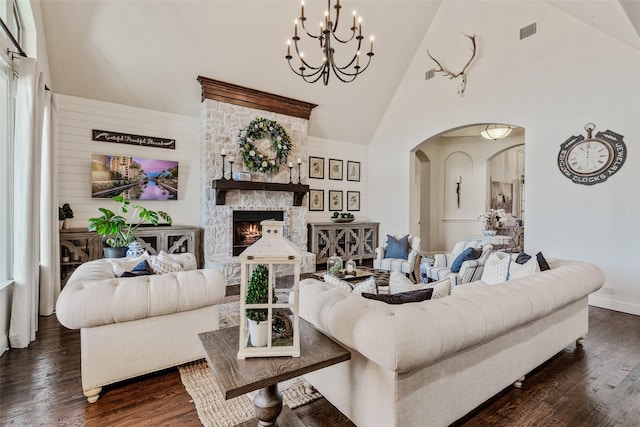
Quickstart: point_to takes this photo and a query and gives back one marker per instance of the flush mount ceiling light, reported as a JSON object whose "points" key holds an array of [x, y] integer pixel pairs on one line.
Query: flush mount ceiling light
{"points": [[349, 68], [495, 131]]}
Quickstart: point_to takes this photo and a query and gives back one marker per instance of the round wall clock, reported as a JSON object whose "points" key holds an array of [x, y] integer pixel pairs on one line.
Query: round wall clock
{"points": [[593, 159]]}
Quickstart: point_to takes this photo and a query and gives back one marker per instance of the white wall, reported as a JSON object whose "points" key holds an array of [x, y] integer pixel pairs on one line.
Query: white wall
{"points": [[76, 119], [552, 84], [345, 151]]}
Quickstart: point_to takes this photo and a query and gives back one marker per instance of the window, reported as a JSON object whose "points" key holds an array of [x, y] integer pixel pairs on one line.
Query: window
{"points": [[17, 24]]}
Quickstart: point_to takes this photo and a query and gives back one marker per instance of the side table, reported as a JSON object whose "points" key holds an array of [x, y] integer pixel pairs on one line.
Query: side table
{"points": [[240, 376]]}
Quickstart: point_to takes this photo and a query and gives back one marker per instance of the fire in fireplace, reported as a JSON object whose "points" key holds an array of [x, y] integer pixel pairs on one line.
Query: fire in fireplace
{"points": [[247, 229]]}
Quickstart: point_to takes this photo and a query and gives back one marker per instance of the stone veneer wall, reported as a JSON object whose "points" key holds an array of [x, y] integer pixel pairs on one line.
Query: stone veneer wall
{"points": [[221, 123]]}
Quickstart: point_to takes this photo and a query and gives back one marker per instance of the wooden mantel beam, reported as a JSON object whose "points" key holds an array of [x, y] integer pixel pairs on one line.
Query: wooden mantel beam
{"points": [[252, 98]]}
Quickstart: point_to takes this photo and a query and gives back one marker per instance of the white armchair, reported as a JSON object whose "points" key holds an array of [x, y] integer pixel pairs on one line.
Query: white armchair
{"points": [[470, 270], [406, 266]]}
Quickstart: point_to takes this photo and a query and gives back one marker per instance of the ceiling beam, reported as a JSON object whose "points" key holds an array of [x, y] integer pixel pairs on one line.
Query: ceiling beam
{"points": [[252, 98]]}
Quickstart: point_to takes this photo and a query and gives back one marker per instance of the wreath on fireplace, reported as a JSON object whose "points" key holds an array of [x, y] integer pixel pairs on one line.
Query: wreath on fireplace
{"points": [[258, 129]]}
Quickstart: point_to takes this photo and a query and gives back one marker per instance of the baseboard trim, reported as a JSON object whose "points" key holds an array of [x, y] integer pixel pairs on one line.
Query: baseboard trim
{"points": [[4, 343], [622, 307]]}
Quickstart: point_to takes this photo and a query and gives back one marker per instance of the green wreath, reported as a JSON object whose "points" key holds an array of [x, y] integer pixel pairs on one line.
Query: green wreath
{"points": [[252, 158]]}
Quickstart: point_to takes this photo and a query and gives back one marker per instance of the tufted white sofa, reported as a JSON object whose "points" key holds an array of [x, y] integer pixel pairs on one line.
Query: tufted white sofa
{"points": [[133, 326], [432, 362]]}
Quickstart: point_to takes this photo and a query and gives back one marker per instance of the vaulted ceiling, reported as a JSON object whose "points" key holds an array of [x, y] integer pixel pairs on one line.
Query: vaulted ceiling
{"points": [[148, 53]]}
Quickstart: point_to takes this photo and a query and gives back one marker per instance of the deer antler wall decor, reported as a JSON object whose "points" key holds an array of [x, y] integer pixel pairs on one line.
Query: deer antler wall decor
{"points": [[462, 73]]}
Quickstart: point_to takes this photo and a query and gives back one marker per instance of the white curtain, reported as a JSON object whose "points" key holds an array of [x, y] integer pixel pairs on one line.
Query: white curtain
{"points": [[49, 247], [28, 142]]}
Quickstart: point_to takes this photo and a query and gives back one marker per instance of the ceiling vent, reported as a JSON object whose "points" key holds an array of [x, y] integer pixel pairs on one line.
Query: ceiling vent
{"points": [[528, 31], [429, 74]]}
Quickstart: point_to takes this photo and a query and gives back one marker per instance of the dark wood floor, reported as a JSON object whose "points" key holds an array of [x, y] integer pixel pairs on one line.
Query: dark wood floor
{"points": [[597, 385]]}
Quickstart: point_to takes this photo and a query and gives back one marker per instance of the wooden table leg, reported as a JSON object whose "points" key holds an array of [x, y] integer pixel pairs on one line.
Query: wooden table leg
{"points": [[268, 405]]}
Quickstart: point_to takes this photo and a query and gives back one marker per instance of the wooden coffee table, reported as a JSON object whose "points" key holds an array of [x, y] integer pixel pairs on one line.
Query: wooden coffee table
{"points": [[237, 377]]}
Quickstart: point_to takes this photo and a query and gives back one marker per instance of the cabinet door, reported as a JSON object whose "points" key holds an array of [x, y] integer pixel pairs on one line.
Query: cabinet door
{"points": [[354, 241], [150, 242], [177, 243], [341, 243], [324, 243], [369, 241]]}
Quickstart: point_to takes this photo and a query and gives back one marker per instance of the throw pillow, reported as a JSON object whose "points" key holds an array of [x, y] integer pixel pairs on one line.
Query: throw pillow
{"points": [[441, 288], [334, 281], [496, 268], [397, 248], [163, 264], [369, 286], [517, 270], [544, 265], [522, 258], [398, 283], [142, 269], [120, 265], [466, 255], [403, 297]]}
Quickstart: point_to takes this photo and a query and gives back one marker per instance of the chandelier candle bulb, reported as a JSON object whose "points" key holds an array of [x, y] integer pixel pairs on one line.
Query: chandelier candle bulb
{"points": [[371, 49], [302, 11], [458, 179], [353, 27]]}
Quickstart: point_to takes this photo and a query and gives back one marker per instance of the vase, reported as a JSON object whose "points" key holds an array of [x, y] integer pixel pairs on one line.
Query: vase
{"points": [[135, 249], [489, 232], [334, 264], [66, 223], [258, 333]]}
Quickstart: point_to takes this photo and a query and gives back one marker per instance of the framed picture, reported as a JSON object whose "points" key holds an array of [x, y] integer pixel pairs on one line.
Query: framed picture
{"points": [[335, 169], [353, 171], [316, 167], [353, 200], [316, 200], [501, 196], [335, 200]]}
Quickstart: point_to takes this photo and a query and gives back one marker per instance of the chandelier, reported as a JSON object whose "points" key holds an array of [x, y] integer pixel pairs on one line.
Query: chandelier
{"points": [[326, 36], [495, 131]]}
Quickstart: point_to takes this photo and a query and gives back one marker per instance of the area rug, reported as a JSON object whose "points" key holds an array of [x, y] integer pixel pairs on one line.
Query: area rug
{"points": [[213, 410]]}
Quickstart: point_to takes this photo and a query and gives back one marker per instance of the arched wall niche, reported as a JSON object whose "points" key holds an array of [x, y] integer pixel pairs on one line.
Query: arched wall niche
{"points": [[439, 162]]}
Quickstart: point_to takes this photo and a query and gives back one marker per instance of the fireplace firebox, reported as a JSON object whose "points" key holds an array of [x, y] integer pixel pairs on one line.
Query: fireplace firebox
{"points": [[247, 229]]}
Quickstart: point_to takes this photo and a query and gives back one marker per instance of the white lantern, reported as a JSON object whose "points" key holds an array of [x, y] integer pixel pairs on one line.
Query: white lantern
{"points": [[270, 273]]}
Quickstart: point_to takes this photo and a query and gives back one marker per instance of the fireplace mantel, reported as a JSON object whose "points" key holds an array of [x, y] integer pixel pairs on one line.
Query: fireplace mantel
{"points": [[223, 185]]}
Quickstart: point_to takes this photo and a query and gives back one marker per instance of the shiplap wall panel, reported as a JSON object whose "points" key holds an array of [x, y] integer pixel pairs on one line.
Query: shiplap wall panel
{"points": [[329, 149], [77, 117]]}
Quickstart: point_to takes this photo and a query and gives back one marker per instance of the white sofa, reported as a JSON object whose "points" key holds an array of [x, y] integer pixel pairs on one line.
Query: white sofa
{"points": [[133, 326], [432, 362]]}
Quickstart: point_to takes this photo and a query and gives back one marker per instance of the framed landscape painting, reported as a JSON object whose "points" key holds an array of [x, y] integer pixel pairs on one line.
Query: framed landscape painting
{"points": [[335, 200], [316, 167], [135, 178], [316, 200]]}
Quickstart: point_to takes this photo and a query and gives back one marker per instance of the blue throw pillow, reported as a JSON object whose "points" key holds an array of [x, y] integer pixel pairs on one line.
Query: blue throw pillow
{"points": [[402, 297], [466, 255], [542, 262], [523, 258], [397, 248], [141, 269]]}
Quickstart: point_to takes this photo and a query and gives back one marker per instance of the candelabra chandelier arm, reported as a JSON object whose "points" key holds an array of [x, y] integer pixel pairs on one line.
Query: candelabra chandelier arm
{"points": [[328, 27]]}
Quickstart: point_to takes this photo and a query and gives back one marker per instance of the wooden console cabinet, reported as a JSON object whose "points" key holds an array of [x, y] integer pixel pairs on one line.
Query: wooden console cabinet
{"points": [[77, 245], [353, 240]]}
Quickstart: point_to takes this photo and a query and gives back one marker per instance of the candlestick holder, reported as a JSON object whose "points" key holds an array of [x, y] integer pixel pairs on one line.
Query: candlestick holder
{"points": [[223, 156], [299, 168], [290, 180], [231, 160]]}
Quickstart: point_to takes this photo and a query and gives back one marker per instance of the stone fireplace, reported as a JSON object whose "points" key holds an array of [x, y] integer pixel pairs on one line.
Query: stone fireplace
{"points": [[247, 229], [220, 125]]}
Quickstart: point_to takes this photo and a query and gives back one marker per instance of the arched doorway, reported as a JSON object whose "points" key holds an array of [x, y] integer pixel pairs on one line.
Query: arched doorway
{"points": [[453, 180]]}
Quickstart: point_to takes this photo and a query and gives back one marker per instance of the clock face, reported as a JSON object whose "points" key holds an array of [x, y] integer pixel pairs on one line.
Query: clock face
{"points": [[592, 160], [589, 157]]}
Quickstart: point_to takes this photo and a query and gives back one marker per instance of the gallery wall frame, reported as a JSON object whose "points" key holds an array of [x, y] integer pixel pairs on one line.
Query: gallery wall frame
{"points": [[335, 200], [353, 200], [316, 200], [316, 167], [353, 171], [335, 169]]}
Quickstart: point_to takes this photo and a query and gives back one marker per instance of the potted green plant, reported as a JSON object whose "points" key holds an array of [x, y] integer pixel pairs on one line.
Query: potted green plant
{"points": [[258, 293], [65, 213], [117, 231]]}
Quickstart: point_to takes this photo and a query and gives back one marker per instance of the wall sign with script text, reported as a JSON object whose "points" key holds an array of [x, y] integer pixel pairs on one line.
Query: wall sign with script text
{"points": [[592, 160], [127, 138]]}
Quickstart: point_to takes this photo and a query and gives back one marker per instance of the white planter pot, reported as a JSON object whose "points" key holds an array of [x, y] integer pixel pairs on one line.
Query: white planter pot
{"points": [[258, 333]]}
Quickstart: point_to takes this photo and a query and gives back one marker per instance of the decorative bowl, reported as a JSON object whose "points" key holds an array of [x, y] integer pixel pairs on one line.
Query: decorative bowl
{"points": [[342, 219], [489, 232]]}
